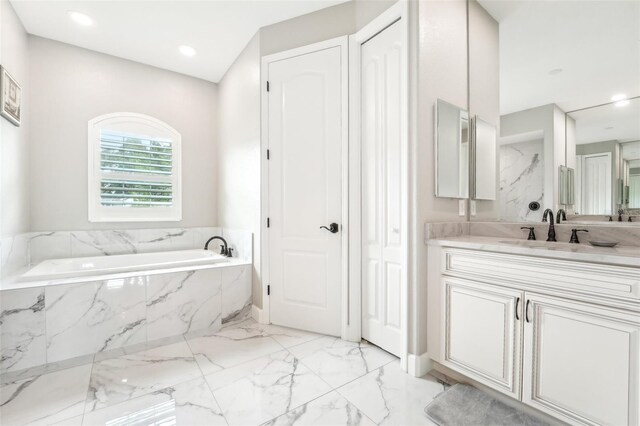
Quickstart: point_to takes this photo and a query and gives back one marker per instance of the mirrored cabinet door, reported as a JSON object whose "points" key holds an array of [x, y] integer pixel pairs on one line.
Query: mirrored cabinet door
{"points": [[452, 151]]}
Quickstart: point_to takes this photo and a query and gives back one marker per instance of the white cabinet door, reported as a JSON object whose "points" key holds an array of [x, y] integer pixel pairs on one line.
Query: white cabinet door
{"points": [[581, 362], [306, 101], [483, 333]]}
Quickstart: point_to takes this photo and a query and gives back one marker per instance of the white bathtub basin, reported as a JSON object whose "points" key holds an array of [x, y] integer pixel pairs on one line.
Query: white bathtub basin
{"points": [[100, 265]]}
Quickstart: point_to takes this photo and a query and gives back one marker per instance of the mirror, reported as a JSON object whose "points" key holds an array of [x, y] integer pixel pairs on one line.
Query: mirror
{"points": [[607, 142], [452, 151], [569, 73], [484, 160]]}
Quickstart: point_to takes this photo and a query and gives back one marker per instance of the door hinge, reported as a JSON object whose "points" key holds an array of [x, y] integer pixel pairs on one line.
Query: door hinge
{"points": [[268, 154], [268, 222], [268, 290], [267, 86]]}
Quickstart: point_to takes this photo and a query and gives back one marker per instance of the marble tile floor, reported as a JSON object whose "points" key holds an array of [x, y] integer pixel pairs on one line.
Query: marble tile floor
{"points": [[245, 374]]}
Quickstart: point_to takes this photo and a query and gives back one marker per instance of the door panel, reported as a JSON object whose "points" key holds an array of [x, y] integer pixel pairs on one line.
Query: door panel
{"points": [[305, 190], [597, 196], [483, 333], [582, 362], [382, 186]]}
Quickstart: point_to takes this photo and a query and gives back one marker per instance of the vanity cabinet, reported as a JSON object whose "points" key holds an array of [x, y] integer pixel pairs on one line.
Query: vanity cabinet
{"points": [[582, 361], [558, 348], [483, 332]]}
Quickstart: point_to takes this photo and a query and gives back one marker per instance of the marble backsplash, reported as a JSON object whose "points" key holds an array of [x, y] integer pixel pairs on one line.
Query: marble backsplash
{"points": [[31, 248], [624, 235]]}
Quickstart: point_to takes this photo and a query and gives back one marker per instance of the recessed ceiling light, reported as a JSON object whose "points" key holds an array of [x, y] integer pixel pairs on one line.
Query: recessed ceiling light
{"points": [[609, 128], [81, 18], [187, 50], [619, 97], [555, 71]]}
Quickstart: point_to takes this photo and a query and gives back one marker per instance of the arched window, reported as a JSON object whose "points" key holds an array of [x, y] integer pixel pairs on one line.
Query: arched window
{"points": [[134, 169]]}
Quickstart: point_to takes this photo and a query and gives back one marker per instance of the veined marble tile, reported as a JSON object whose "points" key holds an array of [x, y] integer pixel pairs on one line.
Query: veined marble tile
{"points": [[231, 346], [521, 179], [95, 316], [138, 347], [265, 388], [183, 302], [129, 376], [337, 361], [41, 369], [14, 253], [22, 329], [73, 421], [97, 243], [49, 245], [236, 293], [187, 404], [46, 399], [287, 337], [154, 240], [329, 409], [390, 396]]}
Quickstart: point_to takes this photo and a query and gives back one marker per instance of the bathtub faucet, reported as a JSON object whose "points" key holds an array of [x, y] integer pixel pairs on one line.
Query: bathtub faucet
{"points": [[224, 248]]}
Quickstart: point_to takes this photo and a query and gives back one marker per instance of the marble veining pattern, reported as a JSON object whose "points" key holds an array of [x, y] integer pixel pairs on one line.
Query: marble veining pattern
{"points": [[521, 179], [236, 290], [337, 361], [267, 387], [22, 329], [100, 316], [183, 302], [165, 385], [120, 379], [92, 317]]}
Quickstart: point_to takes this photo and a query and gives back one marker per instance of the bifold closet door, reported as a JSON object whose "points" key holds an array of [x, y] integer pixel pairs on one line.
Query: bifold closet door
{"points": [[305, 110], [382, 203]]}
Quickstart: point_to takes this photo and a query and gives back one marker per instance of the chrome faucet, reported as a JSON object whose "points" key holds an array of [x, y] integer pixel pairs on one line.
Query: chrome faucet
{"points": [[224, 248], [561, 215], [551, 236]]}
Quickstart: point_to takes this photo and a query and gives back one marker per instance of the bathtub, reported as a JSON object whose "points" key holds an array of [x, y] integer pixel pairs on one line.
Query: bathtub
{"points": [[54, 269], [73, 308]]}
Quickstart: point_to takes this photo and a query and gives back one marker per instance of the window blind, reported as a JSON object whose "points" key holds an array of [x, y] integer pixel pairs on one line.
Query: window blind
{"points": [[135, 171]]}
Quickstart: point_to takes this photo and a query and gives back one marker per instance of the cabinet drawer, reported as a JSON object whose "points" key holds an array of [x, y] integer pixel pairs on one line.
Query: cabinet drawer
{"points": [[589, 278]]}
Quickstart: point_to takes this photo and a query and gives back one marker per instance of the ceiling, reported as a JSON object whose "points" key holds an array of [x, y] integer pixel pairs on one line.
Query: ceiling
{"points": [[150, 32], [608, 123], [595, 43]]}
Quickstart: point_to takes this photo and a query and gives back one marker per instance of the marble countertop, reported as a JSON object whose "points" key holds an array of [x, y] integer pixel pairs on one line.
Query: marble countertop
{"points": [[13, 283], [619, 255]]}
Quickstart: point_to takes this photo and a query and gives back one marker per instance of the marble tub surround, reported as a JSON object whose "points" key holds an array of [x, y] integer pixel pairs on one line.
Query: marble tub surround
{"points": [[22, 250], [52, 323], [274, 388]]}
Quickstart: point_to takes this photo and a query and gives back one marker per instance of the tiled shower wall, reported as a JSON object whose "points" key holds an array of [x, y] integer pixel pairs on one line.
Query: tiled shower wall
{"points": [[30, 248]]}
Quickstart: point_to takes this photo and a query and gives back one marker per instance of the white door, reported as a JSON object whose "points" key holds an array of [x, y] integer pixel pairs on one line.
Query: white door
{"points": [[305, 137], [483, 333], [582, 362], [383, 203], [596, 184]]}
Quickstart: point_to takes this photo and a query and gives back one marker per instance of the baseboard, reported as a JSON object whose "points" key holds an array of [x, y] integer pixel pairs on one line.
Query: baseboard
{"points": [[258, 314], [419, 365]]}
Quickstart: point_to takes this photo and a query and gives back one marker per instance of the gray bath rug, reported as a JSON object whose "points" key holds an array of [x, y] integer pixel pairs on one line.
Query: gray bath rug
{"points": [[463, 405]]}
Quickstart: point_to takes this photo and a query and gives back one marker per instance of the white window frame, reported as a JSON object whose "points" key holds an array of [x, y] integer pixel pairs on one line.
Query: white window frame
{"points": [[138, 124]]}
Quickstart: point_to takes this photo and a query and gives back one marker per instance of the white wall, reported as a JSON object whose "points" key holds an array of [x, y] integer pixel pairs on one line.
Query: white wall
{"points": [[14, 146], [239, 150], [68, 87], [441, 73]]}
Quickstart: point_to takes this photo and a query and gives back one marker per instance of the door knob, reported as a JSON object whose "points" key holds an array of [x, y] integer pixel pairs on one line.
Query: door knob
{"points": [[333, 228]]}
